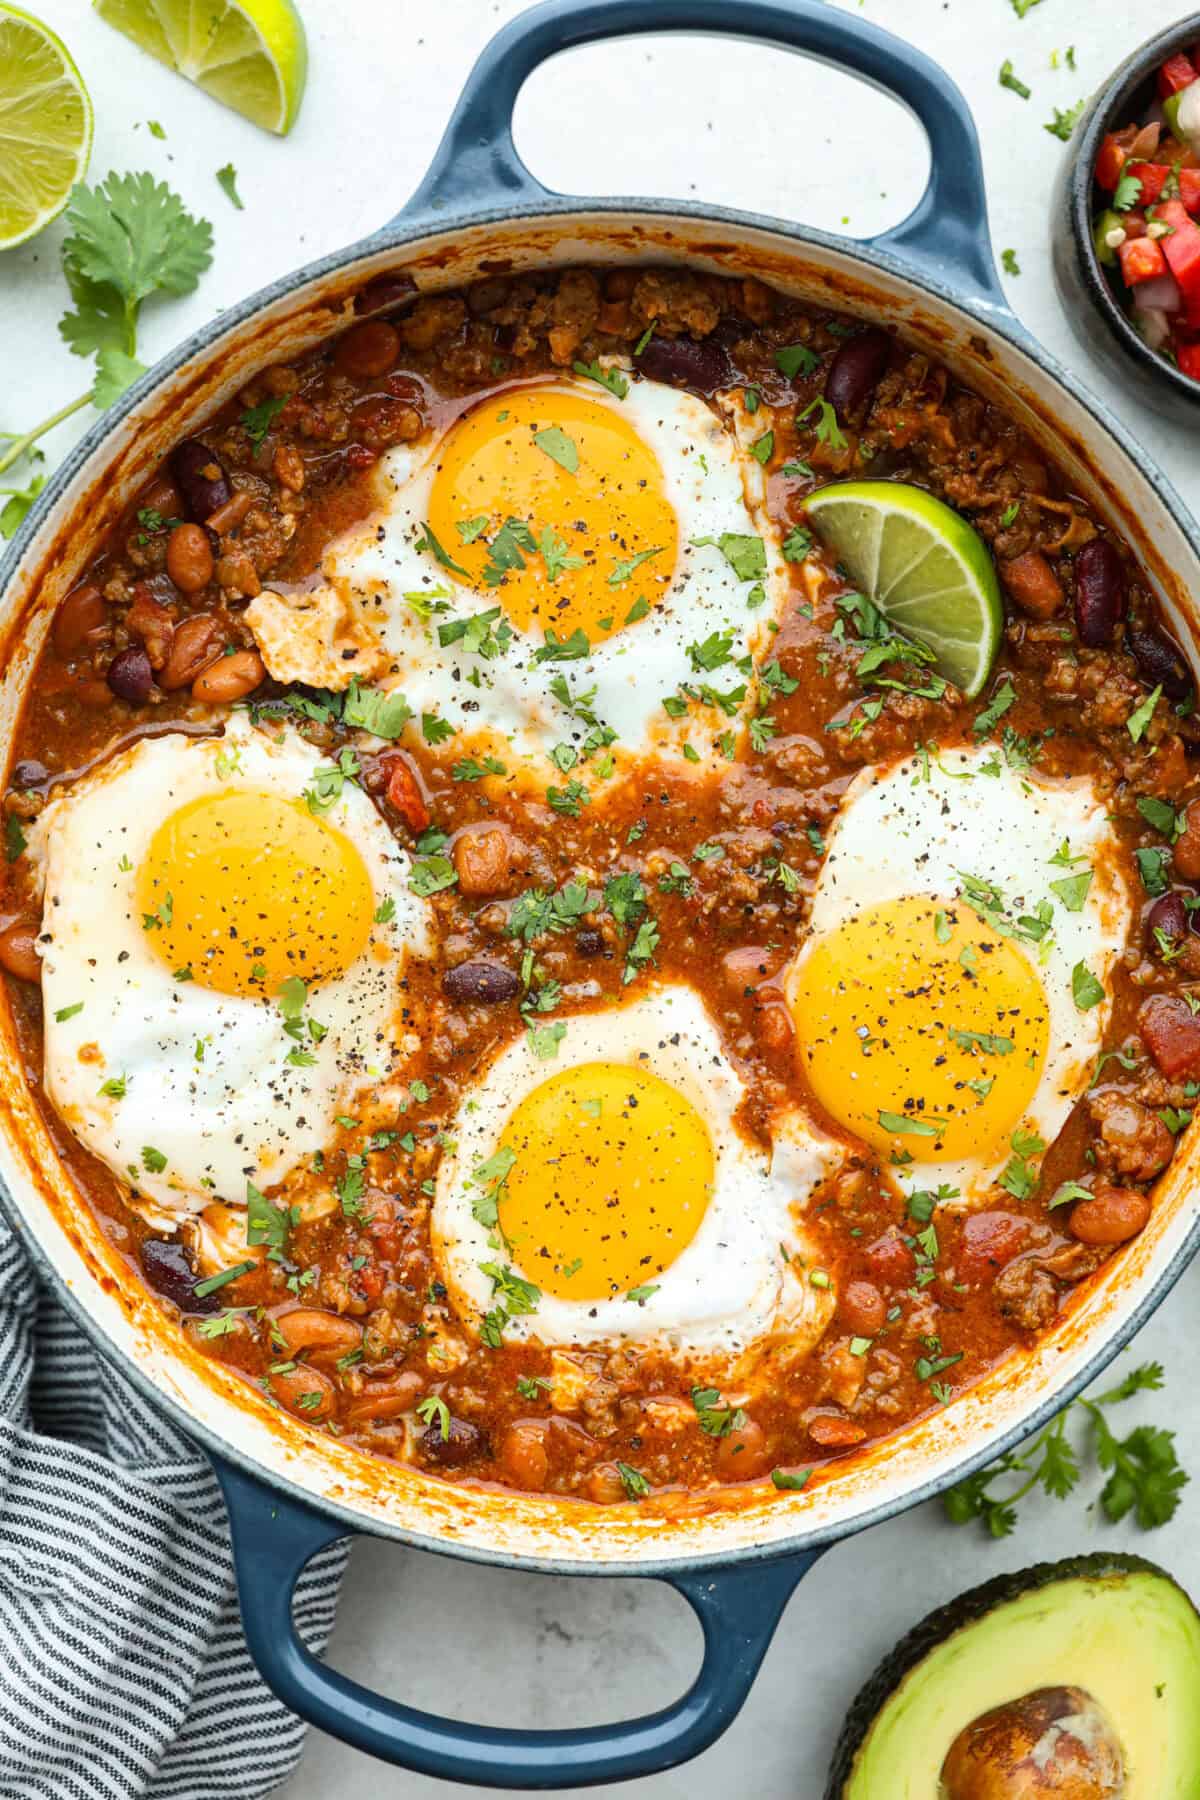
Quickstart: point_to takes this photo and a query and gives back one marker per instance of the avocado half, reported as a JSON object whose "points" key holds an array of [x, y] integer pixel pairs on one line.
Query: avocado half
{"points": [[1116, 1627]]}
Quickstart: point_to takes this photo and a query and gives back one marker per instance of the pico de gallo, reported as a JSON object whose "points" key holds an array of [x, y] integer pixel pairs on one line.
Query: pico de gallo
{"points": [[1145, 229]]}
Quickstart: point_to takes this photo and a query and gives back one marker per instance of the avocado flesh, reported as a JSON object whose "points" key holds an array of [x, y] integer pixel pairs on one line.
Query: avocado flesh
{"points": [[1127, 1635]]}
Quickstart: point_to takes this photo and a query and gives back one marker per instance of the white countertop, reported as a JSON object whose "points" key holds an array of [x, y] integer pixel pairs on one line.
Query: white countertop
{"points": [[680, 118]]}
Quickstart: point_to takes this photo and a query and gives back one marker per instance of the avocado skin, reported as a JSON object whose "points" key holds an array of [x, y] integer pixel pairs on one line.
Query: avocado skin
{"points": [[966, 1610]]}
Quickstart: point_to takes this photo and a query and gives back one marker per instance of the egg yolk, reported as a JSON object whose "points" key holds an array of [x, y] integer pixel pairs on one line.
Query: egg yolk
{"points": [[921, 1029], [613, 1173], [549, 497], [246, 890]]}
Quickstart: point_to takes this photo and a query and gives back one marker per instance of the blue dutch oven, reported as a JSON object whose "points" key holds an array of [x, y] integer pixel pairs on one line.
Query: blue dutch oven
{"points": [[290, 1490]]}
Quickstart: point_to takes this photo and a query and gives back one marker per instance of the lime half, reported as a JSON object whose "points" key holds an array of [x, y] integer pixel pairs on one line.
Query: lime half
{"points": [[248, 54], [45, 126], [926, 569]]}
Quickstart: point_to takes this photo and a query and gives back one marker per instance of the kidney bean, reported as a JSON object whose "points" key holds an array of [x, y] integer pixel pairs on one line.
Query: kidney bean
{"points": [[79, 620], [306, 1392], [589, 942], [700, 363], [862, 1308], [166, 1267], [197, 642], [523, 1453], [1160, 660], [484, 983], [482, 861], [1033, 584], [743, 1452], [384, 292], [1112, 1216], [199, 474], [855, 371], [130, 676], [404, 794], [833, 1432], [367, 350], [311, 1328], [1099, 593], [1187, 847], [463, 1443], [230, 678], [29, 774], [189, 558], [1172, 1034], [18, 950], [1169, 916]]}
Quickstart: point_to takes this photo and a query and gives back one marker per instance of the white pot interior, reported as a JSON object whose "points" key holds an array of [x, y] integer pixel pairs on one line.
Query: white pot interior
{"points": [[379, 1494]]}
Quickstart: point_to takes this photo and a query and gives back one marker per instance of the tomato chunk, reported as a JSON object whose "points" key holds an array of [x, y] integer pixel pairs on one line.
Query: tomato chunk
{"points": [[989, 1241], [1153, 177], [1189, 189], [1188, 358], [1181, 247], [1172, 1033], [1178, 72], [1109, 163], [1141, 260], [405, 795]]}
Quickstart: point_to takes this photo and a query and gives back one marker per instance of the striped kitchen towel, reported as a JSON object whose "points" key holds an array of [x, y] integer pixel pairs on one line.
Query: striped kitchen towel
{"points": [[123, 1670]]}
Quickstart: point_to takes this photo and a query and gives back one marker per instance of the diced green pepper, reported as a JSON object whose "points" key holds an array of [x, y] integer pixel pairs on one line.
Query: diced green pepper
{"points": [[1107, 222]]}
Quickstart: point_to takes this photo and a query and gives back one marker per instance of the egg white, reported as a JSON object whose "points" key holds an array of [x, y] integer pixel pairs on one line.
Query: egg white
{"points": [[915, 827], [381, 585], [113, 1008], [740, 1290]]}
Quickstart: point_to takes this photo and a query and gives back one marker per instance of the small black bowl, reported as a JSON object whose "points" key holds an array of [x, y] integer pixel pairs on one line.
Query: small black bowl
{"points": [[1089, 297]]}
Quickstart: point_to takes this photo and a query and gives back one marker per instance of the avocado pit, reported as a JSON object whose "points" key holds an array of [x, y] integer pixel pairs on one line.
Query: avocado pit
{"points": [[1055, 1743]]}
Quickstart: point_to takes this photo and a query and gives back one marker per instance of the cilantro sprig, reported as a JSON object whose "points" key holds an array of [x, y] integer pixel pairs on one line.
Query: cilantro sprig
{"points": [[129, 238], [1144, 1476]]}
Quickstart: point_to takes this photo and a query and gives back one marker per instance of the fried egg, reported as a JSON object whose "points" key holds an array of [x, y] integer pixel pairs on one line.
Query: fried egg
{"points": [[224, 935], [610, 1197], [565, 575], [953, 990]]}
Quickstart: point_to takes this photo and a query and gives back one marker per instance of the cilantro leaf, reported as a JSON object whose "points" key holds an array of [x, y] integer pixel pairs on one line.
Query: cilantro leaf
{"points": [[128, 237], [227, 178]]}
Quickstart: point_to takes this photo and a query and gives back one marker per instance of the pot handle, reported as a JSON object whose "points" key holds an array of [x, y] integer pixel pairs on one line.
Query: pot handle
{"points": [[946, 235], [738, 1608]]}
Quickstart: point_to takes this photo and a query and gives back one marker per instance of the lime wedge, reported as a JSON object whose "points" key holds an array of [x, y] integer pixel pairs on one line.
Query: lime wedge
{"points": [[45, 126], [248, 54], [926, 569]]}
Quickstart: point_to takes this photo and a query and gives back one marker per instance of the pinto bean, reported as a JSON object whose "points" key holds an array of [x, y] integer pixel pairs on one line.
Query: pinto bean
{"points": [[199, 474], [833, 1432], [323, 1333], [197, 642], [306, 1392], [1032, 584], [189, 558], [700, 363], [461, 1445], [862, 1308], [523, 1453], [743, 1452], [385, 1399], [1112, 1216], [1099, 593], [230, 678], [166, 1267], [130, 676], [855, 371], [1172, 1034], [368, 349], [229, 517], [1187, 847], [18, 950], [80, 620], [404, 794], [1160, 660], [481, 983], [482, 859]]}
